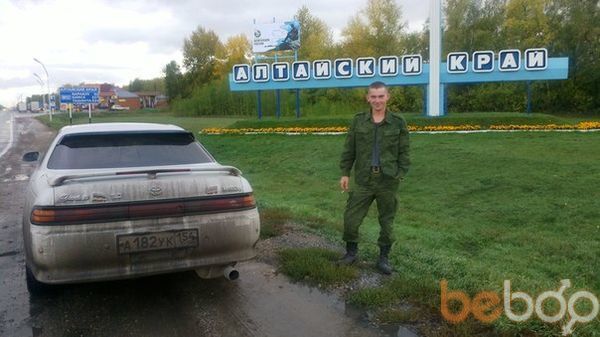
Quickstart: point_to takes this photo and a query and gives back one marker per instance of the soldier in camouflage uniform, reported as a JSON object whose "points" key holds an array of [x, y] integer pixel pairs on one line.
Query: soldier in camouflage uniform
{"points": [[377, 147]]}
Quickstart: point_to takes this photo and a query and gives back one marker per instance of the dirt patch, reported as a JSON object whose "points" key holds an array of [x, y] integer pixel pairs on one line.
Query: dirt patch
{"points": [[295, 236]]}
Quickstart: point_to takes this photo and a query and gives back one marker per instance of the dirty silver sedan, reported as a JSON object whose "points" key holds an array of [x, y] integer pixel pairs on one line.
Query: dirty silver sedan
{"points": [[120, 200]]}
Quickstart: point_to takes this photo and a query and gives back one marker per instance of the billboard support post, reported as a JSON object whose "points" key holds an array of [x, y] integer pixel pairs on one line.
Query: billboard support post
{"points": [[528, 97], [275, 37], [297, 90], [277, 92], [259, 104]]}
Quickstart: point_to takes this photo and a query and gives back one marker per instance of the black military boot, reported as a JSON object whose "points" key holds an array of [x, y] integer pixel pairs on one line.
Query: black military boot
{"points": [[350, 257], [383, 265]]}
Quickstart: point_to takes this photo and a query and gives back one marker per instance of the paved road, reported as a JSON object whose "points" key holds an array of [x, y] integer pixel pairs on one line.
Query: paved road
{"points": [[261, 303]]}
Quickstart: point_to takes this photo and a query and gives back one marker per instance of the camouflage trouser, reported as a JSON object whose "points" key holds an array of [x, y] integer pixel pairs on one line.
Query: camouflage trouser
{"points": [[381, 189]]}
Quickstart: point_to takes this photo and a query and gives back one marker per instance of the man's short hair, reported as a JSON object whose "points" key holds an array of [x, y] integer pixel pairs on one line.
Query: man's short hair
{"points": [[377, 85]]}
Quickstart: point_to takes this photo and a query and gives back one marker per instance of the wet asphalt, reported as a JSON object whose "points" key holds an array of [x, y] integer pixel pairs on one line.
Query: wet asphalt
{"points": [[260, 303]]}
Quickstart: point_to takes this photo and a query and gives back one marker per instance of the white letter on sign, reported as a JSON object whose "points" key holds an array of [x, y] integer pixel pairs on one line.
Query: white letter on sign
{"points": [[536, 59], [483, 61], [322, 69], [260, 72], [240, 73], [281, 71], [411, 65], [457, 63], [365, 67], [343, 68], [388, 66], [509, 60], [300, 70]]}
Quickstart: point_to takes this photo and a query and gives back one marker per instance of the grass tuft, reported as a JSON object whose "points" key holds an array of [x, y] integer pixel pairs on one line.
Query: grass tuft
{"points": [[395, 315], [373, 297], [315, 266]]}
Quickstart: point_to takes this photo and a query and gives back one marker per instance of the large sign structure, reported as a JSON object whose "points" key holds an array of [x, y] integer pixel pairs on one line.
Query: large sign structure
{"points": [[481, 66], [459, 67]]}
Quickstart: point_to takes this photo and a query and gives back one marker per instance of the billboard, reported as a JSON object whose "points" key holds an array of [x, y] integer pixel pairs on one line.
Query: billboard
{"points": [[276, 36]]}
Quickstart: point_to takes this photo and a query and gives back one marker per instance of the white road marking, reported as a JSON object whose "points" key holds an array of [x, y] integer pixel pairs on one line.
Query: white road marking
{"points": [[10, 139]]}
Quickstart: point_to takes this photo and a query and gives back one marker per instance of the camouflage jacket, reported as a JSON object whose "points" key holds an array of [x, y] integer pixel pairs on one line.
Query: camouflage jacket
{"points": [[393, 140]]}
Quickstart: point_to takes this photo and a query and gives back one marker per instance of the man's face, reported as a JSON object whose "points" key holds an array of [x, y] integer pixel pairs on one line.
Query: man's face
{"points": [[377, 98]]}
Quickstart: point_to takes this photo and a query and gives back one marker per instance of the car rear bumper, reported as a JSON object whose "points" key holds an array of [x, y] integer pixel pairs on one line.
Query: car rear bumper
{"points": [[90, 252]]}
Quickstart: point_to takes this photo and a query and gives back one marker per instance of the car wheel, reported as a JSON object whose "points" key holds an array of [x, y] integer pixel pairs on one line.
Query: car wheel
{"points": [[34, 286]]}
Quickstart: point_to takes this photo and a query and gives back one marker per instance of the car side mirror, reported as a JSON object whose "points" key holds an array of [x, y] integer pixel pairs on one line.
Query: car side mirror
{"points": [[31, 156]]}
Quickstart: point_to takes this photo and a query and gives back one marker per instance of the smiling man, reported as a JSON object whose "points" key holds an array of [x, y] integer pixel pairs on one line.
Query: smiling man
{"points": [[377, 147]]}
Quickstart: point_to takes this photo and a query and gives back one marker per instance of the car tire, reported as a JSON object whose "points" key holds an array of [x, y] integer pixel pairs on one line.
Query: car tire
{"points": [[34, 286]]}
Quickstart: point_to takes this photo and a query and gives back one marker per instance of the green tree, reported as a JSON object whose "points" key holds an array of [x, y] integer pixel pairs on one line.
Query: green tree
{"points": [[135, 85], [377, 30], [200, 52], [316, 38], [173, 81], [155, 84], [577, 36], [526, 24], [472, 25], [237, 50]]}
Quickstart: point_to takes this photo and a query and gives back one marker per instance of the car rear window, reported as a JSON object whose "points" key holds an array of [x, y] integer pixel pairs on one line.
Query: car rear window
{"points": [[131, 149]]}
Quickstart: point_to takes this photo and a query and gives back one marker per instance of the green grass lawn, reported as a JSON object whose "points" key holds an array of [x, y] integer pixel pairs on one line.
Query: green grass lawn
{"points": [[476, 209]]}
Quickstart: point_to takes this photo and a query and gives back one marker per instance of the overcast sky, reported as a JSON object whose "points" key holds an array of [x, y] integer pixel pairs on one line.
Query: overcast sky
{"points": [[115, 41]]}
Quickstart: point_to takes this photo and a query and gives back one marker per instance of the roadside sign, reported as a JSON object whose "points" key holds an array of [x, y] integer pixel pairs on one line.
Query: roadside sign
{"points": [[79, 95]]}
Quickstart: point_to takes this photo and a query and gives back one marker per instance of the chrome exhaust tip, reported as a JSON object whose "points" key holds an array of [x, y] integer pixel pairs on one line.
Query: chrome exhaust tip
{"points": [[231, 273]]}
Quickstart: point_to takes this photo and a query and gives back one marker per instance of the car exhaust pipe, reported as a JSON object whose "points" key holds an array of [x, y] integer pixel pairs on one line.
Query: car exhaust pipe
{"points": [[231, 273]]}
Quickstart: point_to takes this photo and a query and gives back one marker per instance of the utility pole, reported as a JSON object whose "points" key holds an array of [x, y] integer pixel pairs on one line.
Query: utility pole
{"points": [[37, 77], [48, 85]]}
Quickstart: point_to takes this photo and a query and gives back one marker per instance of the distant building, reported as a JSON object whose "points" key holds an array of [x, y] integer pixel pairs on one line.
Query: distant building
{"points": [[152, 99], [127, 99], [111, 95]]}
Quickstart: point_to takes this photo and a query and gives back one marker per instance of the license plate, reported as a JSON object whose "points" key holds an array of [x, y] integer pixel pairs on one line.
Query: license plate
{"points": [[136, 243]]}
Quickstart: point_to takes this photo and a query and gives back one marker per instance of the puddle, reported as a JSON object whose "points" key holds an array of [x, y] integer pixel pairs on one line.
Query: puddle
{"points": [[279, 308]]}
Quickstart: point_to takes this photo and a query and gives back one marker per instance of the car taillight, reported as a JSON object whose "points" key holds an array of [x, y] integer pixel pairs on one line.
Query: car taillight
{"points": [[106, 213]]}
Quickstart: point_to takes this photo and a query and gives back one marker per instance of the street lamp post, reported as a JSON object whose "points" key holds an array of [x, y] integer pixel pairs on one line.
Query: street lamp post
{"points": [[37, 77], [48, 85]]}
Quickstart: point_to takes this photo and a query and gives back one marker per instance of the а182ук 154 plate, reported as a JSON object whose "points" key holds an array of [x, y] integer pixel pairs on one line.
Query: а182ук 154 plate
{"points": [[135, 243]]}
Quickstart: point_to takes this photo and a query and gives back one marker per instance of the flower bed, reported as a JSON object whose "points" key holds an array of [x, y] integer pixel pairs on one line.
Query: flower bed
{"points": [[429, 128]]}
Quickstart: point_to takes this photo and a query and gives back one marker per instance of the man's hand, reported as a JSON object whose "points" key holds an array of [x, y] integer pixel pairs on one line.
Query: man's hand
{"points": [[344, 181]]}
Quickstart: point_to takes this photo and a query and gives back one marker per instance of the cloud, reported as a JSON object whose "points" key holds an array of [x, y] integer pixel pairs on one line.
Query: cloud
{"points": [[17, 82]]}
